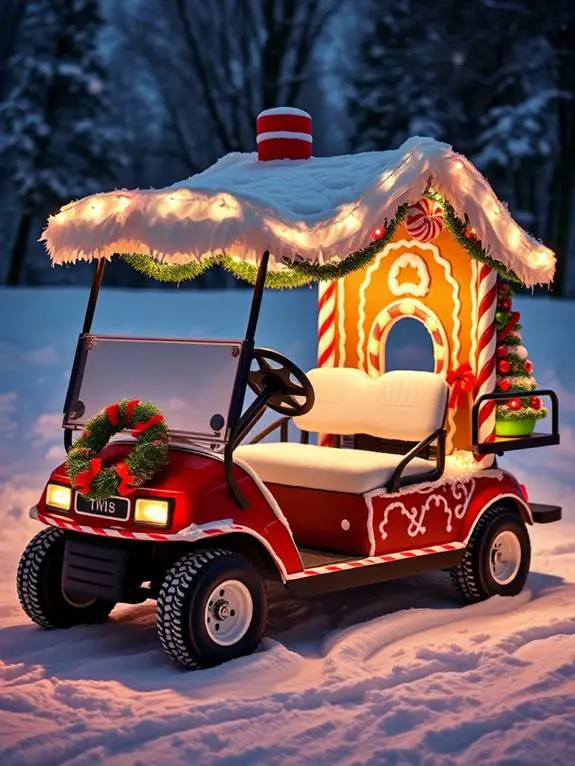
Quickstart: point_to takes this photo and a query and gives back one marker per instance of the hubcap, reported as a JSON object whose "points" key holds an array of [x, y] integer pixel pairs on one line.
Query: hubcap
{"points": [[229, 612], [505, 557]]}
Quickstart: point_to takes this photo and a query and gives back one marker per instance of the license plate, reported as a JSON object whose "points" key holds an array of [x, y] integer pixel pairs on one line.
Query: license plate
{"points": [[117, 508]]}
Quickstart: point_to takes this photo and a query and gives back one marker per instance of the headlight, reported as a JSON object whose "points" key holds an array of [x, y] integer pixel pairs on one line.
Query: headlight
{"points": [[153, 512], [59, 497]]}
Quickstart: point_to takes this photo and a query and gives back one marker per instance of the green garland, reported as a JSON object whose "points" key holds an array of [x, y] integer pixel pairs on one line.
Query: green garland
{"points": [[301, 272], [98, 482], [276, 279], [357, 260], [504, 413], [169, 272], [457, 228]]}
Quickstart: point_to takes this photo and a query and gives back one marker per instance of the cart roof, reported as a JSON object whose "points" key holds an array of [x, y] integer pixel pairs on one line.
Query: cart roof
{"points": [[322, 209]]}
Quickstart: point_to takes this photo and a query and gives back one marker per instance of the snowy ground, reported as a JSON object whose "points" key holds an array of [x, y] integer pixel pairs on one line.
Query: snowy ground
{"points": [[397, 674]]}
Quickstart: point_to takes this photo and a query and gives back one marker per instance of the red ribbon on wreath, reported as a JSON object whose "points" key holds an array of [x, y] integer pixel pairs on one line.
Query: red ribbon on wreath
{"points": [[84, 479], [127, 479], [113, 414], [462, 381], [139, 428]]}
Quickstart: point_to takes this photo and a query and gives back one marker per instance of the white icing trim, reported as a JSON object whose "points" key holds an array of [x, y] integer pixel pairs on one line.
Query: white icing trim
{"points": [[272, 502], [373, 267], [406, 288], [340, 311], [283, 134], [474, 304], [430, 486], [370, 529], [383, 320]]}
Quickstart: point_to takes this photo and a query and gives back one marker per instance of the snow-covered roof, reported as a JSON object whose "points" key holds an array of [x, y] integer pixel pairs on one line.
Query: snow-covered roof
{"points": [[319, 209]]}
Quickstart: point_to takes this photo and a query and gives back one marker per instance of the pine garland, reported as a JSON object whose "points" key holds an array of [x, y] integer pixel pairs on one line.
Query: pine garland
{"points": [[276, 279], [472, 245], [148, 456], [169, 272], [299, 272], [357, 260], [526, 412]]}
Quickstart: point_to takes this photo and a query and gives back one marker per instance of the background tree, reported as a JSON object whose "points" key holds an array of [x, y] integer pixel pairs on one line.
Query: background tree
{"points": [[58, 139], [216, 71], [494, 78]]}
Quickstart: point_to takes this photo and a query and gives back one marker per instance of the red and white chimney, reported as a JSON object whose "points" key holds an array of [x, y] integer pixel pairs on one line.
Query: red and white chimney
{"points": [[284, 133]]}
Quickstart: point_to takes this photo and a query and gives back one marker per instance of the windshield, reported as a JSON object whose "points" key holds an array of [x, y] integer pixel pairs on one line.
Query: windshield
{"points": [[191, 381]]}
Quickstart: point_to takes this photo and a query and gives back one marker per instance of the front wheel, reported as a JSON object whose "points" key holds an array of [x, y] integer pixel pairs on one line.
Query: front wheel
{"points": [[212, 607], [497, 557], [39, 586]]}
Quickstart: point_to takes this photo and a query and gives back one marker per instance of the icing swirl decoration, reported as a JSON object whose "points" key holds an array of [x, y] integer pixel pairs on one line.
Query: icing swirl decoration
{"points": [[424, 220], [409, 262]]}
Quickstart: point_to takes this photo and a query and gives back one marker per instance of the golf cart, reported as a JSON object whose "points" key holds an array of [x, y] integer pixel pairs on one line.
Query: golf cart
{"points": [[171, 496]]}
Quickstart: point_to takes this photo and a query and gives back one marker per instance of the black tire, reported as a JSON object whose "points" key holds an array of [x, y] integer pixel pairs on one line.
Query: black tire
{"points": [[474, 577], [183, 604], [39, 586]]}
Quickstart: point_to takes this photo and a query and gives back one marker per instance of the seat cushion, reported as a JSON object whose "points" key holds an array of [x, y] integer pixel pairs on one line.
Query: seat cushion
{"points": [[327, 468], [407, 405]]}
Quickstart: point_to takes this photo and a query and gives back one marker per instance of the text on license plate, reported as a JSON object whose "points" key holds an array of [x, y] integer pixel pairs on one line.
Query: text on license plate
{"points": [[113, 508]]}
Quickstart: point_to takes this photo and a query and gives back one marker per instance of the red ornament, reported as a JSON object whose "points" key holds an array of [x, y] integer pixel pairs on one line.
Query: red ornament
{"points": [[514, 404], [503, 366], [502, 351], [505, 304], [528, 364], [503, 289], [535, 402], [378, 233], [504, 384]]}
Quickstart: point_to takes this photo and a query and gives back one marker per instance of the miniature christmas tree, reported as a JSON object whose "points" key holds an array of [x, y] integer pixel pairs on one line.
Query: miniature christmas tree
{"points": [[516, 416]]}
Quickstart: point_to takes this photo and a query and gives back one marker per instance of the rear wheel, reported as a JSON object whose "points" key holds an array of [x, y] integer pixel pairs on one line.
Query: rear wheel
{"points": [[497, 557], [212, 607], [39, 586]]}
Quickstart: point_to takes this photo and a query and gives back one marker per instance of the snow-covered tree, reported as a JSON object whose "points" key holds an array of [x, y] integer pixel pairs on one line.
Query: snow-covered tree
{"points": [[57, 137]]}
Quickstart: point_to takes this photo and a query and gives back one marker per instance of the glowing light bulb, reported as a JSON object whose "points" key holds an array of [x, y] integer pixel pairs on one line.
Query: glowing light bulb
{"points": [[541, 259], [431, 324], [439, 353], [407, 308], [123, 203]]}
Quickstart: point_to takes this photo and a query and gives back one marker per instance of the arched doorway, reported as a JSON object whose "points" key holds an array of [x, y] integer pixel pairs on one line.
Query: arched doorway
{"points": [[407, 357], [408, 347]]}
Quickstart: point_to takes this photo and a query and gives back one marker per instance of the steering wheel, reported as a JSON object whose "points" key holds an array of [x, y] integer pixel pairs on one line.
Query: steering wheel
{"points": [[274, 369]]}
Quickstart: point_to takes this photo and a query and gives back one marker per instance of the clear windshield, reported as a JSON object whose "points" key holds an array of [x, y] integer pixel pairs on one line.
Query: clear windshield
{"points": [[191, 381]]}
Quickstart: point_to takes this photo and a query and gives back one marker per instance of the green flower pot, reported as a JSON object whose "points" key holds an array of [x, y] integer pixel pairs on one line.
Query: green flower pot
{"points": [[522, 427]]}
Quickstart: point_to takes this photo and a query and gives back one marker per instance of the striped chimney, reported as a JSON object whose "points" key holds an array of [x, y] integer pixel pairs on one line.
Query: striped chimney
{"points": [[284, 133]]}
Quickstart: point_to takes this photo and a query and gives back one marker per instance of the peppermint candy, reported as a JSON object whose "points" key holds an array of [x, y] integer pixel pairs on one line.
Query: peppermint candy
{"points": [[424, 220]]}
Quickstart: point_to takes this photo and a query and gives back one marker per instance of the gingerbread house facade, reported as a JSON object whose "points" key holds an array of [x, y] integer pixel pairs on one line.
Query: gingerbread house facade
{"points": [[423, 274]]}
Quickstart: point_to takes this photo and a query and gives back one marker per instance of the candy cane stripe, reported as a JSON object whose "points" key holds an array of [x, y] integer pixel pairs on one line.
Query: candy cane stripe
{"points": [[487, 344]]}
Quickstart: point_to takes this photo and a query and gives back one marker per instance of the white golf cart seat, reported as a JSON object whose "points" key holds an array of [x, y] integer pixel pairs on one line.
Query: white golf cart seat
{"points": [[403, 405]]}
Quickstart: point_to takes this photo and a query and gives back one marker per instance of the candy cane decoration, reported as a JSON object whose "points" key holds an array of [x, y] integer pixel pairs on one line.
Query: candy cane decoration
{"points": [[487, 344], [326, 336]]}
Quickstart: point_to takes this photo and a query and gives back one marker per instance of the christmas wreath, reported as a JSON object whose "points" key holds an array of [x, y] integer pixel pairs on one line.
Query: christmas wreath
{"points": [[85, 469]]}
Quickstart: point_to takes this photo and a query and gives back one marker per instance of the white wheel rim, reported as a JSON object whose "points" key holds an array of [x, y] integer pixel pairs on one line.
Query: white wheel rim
{"points": [[505, 557], [229, 612]]}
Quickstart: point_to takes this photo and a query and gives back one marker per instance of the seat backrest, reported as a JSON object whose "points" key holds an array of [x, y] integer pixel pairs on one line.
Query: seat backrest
{"points": [[406, 405]]}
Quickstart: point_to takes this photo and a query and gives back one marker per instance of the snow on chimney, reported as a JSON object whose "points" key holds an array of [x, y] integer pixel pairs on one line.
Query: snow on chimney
{"points": [[284, 133]]}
